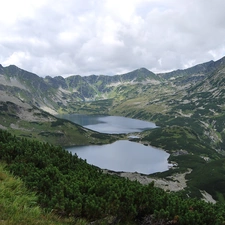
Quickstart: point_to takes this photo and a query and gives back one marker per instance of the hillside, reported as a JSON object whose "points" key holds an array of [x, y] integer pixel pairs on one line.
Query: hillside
{"points": [[26, 120], [187, 105], [194, 74], [19, 205], [70, 188], [58, 94]]}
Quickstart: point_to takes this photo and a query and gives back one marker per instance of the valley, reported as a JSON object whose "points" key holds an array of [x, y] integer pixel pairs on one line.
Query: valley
{"points": [[188, 106]]}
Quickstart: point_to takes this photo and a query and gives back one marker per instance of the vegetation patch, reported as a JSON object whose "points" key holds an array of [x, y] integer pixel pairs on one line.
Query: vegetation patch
{"points": [[69, 187]]}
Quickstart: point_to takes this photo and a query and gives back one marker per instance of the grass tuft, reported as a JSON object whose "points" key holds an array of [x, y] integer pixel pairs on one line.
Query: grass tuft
{"points": [[18, 205]]}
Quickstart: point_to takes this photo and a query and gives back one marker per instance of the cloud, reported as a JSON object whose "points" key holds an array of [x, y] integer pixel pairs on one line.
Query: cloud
{"points": [[110, 36]]}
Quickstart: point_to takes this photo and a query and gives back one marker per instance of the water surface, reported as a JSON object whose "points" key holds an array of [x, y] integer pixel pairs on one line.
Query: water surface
{"points": [[110, 124], [122, 155], [125, 156]]}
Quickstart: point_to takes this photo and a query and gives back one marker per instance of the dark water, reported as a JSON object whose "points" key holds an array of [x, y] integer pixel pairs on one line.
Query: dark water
{"points": [[122, 155], [110, 124]]}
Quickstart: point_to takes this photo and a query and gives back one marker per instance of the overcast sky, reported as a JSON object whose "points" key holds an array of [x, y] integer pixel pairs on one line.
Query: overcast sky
{"points": [[60, 37]]}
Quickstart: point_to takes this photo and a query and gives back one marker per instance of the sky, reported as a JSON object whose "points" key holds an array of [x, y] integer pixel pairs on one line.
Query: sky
{"points": [[65, 37]]}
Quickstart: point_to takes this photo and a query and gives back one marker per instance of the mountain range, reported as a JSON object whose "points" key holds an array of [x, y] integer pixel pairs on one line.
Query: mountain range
{"points": [[53, 93], [141, 93], [187, 105]]}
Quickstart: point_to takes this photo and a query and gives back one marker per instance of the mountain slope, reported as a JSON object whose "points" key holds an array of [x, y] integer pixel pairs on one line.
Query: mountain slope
{"points": [[193, 74], [189, 110], [140, 94], [29, 121], [55, 94]]}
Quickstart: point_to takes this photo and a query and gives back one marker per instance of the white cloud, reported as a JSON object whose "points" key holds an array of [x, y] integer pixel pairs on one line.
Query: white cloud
{"points": [[18, 58], [110, 36]]}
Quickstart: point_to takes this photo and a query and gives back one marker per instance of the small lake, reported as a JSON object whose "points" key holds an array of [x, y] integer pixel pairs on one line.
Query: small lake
{"points": [[110, 124], [121, 155], [125, 156]]}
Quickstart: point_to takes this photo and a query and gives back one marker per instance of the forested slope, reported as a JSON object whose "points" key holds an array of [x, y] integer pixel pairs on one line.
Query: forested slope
{"points": [[18, 206], [70, 187]]}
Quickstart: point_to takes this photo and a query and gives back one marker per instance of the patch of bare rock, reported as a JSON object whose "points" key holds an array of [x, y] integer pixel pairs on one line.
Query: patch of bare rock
{"points": [[176, 182]]}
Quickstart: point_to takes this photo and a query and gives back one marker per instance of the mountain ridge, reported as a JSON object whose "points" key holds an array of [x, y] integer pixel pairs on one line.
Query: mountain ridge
{"points": [[189, 111], [52, 92], [193, 74]]}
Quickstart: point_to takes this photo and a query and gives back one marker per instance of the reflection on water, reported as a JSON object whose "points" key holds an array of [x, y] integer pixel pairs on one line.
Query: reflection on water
{"points": [[110, 124], [124, 156]]}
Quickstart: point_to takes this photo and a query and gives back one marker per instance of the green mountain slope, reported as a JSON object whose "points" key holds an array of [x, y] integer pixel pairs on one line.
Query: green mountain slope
{"points": [[29, 121], [69, 187], [194, 74], [56, 94], [187, 105], [19, 205]]}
